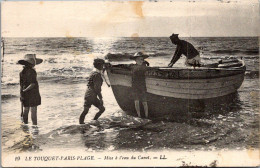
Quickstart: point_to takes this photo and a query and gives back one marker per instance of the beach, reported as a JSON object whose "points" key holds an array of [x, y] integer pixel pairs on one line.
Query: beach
{"points": [[62, 80]]}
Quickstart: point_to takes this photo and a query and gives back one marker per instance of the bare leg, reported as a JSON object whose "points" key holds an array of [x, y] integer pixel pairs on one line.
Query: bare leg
{"points": [[101, 110], [145, 109], [83, 114], [34, 115], [137, 108], [25, 114], [22, 109]]}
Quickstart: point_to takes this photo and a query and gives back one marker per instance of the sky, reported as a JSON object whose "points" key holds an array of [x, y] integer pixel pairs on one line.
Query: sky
{"points": [[130, 18]]}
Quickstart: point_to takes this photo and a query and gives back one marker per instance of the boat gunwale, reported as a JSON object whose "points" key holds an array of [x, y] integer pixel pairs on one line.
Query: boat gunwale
{"points": [[207, 80], [237, 71], [188, 67]]}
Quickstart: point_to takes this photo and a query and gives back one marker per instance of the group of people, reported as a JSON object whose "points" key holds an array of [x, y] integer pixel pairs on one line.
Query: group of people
{"points": [[29, 88]]}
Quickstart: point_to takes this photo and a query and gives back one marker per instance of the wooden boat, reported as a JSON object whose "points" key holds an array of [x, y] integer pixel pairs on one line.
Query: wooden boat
{"points": [[176, 91]]}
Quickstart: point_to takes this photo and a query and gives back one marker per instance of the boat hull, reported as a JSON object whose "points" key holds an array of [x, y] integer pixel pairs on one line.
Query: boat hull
{"points": [[177, 92], [170, 108]]}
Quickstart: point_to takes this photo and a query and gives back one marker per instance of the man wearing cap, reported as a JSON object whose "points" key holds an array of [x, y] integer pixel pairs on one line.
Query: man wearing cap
{"points": [[187, 49], [138, 82], [93, 94]]}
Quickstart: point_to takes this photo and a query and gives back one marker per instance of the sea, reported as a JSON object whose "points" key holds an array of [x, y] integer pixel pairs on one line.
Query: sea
{"points": [[62, 78]]}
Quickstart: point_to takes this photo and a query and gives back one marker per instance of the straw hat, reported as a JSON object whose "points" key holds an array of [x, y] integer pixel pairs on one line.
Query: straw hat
{"points": [[30, 58], [139, 54]]}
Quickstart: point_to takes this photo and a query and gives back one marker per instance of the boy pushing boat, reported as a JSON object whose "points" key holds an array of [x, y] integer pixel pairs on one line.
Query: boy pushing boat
{"points": [[93, 94]]}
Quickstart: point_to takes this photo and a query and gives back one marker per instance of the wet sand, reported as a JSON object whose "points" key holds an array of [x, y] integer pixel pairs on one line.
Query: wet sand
{"points": [[62, 103]]}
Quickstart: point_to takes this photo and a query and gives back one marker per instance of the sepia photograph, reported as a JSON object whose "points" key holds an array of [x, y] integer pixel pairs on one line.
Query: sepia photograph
{"points": [[130, 83]]}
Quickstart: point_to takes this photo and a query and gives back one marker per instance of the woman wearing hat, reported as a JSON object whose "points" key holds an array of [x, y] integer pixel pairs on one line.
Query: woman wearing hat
{"points": [[187, 49], [138, 82], [93, 94], [29, 88]]}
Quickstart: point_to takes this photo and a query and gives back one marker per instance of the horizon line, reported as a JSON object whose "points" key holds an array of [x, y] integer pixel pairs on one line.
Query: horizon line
{"points": [[130, 37]]}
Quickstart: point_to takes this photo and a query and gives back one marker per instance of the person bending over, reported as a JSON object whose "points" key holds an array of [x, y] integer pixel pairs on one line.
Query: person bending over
{"points": [[187, 49]]}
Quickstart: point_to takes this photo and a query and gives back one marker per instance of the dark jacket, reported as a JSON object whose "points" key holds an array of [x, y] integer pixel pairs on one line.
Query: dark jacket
{"points": [[30, 98], [185, 48]]}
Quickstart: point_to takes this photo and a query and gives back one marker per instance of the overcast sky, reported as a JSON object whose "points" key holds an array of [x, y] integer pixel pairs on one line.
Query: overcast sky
{"points": [[117, 19]]}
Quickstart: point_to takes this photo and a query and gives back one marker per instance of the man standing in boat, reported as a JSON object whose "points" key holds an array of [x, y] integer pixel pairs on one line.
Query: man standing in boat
{"points": [[187, 49], [93, 94], [138, 82]]}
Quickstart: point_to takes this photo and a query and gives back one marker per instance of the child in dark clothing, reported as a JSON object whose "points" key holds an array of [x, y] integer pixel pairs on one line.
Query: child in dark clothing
{"points": [[138, 82], [29, 88], [93, 94]]}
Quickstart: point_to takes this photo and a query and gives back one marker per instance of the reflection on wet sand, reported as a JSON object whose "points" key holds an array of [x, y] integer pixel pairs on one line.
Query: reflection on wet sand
{"points": [[228, 124]]}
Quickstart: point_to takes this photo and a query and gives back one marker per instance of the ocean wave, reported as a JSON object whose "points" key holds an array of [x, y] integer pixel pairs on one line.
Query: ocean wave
{"points": [[251, 57], [8, 81], [253, 52], [19, 45], [252, 74], [236, 51], [157, 54], [62, 60], [70, 69], [214, 57], [51, 60], [7, 96], [71, 74], [62, 79], [118, 56], [9, 53], [127, 56], [66, 72]]}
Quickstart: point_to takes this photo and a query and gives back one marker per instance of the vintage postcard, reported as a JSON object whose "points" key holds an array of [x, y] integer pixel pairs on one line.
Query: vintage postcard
{"points": [[130, 83]]}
